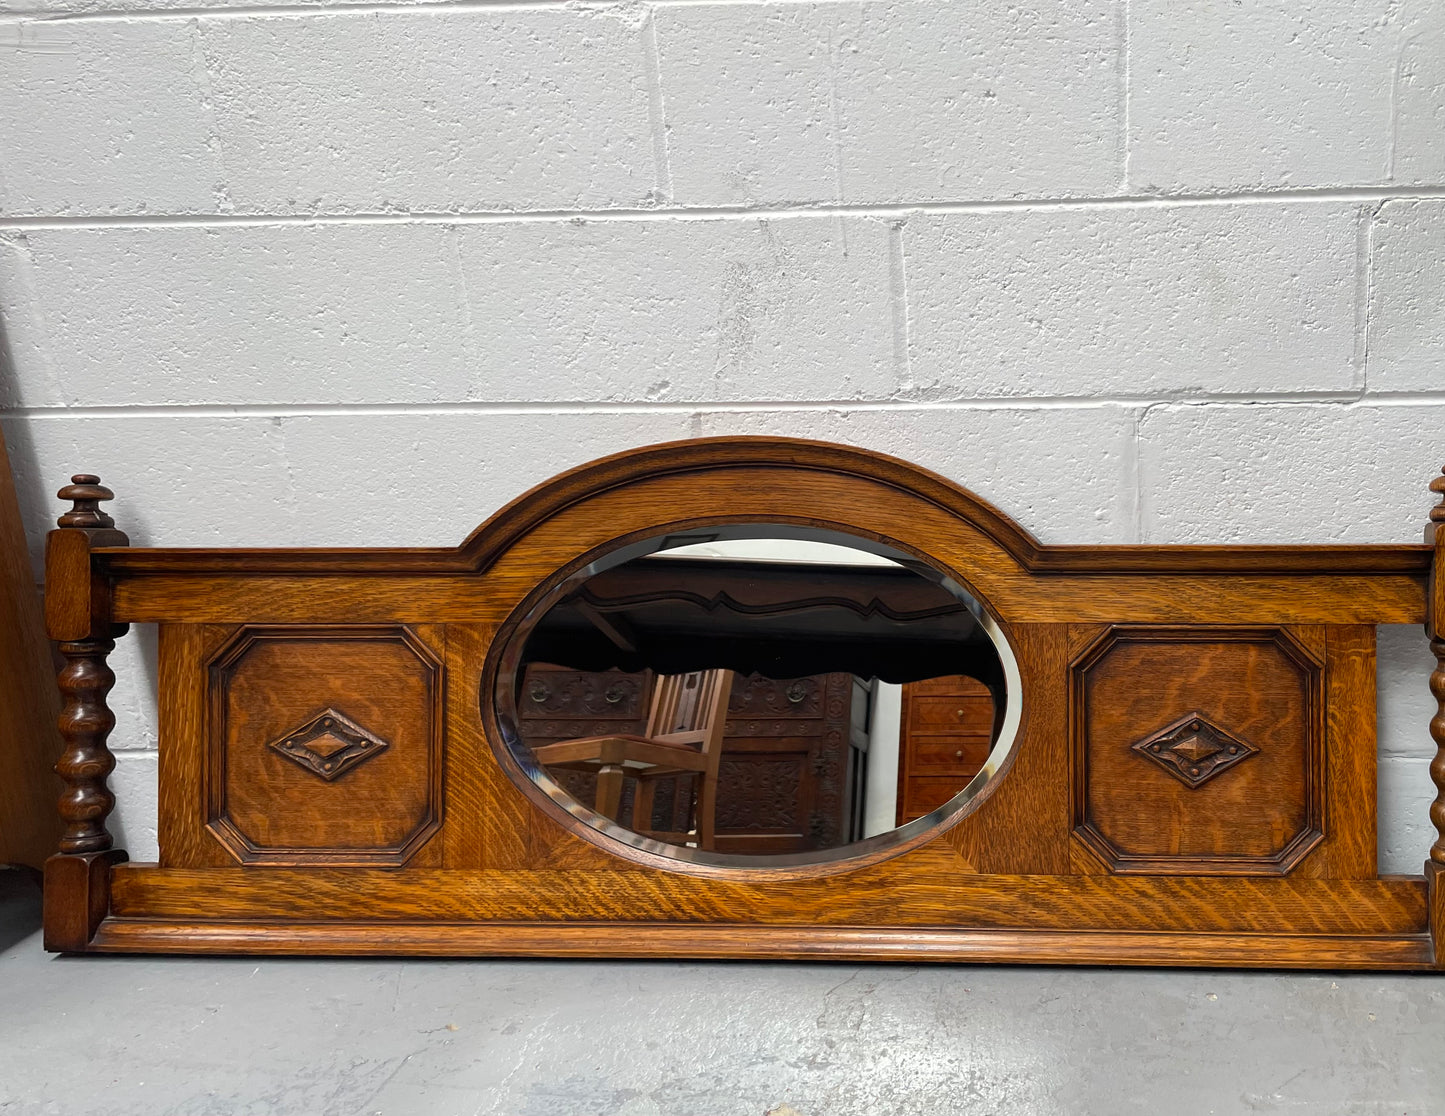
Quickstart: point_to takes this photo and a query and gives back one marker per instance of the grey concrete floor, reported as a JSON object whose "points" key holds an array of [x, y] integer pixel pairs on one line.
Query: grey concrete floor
{"points": [[238, 1037]]}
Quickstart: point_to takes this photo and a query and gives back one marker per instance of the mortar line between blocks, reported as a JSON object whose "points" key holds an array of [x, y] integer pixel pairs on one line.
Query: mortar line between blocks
{"points": [[1129, 480], [897, 210], [657, 109], [1125, 75], [689, 407], [371, 7], [898, 300], [1364, 281], [1143, 509]]}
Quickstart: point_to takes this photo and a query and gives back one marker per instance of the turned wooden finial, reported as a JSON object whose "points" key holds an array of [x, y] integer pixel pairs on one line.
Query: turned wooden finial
{"points": [[1437, 513], [86, 637], [86, 491]]}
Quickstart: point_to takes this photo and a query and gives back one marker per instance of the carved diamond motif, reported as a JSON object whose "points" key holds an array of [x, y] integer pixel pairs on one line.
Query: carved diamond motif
{"points": [[1194, 750], [329, 745]]}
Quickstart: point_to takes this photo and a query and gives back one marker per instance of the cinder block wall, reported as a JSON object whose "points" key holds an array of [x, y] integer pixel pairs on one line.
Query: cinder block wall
{"points": [[1148, 270]]}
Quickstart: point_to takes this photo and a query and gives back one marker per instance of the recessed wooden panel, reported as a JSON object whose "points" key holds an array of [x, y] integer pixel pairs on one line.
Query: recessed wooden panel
{"points": [[325, 745], [1198, 750]]}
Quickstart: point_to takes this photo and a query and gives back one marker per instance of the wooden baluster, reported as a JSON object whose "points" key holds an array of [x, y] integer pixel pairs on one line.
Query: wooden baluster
{"points": [[85, 723], [1435, 629], [1437, 765], [77, 608]]}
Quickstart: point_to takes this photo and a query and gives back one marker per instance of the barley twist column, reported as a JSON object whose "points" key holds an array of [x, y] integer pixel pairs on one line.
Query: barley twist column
{"points": [[86, 763], [78, 614], [1435, 628]]}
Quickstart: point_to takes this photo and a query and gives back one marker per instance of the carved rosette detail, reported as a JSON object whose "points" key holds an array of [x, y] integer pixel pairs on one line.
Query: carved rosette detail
{"points": [[329, 745], [754, 696], [1194, 750], [765, 798]]}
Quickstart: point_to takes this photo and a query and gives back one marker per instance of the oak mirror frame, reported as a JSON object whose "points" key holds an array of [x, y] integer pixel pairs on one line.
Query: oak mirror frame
{"points": [[1183, 771], [819, 638]]}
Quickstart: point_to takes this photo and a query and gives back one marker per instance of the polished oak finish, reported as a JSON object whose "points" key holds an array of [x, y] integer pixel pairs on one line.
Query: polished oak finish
{"points": [[86, 762], [1435, 629], [29, 700], [1157, 787], [429, 838], [77, 878], [325, 744], [812, 943]]}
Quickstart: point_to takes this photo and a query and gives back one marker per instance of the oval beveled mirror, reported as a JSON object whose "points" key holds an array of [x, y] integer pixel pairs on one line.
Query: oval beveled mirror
{"points": [[755, 694]]}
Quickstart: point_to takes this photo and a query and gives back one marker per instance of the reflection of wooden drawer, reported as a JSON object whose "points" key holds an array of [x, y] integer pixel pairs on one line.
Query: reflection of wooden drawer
{"points": [[946, 736], [951, 753], [928, 792], [948, 712], [948, 684], [556, 694]]}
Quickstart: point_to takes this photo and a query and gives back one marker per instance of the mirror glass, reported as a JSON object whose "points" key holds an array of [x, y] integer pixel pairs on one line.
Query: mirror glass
{"points": [[759, 693]]}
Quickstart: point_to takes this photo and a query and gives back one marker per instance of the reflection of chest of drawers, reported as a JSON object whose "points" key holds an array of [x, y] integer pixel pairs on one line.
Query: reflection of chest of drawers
{"points": [[787, 778], [945, 737]]}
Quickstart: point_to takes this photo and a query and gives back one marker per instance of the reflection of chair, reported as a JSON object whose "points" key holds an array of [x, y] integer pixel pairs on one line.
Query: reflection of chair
{"points": [[683, 737]]}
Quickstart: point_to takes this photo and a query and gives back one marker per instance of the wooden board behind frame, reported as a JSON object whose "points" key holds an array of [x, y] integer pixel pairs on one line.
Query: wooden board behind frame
{"points": [[1193, 781]]}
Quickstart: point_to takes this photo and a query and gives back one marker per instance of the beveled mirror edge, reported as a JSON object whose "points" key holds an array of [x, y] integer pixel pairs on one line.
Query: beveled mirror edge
{"points": [[497, 698]]}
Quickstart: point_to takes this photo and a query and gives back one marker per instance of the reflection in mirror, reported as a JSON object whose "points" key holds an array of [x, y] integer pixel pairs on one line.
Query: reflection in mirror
{"points": [[758, 691]]}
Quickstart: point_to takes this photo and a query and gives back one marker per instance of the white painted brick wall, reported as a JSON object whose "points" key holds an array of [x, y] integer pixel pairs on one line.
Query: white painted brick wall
{"points": [[1146, 271], [1240, 299], [872, 102], [1229, 96]]}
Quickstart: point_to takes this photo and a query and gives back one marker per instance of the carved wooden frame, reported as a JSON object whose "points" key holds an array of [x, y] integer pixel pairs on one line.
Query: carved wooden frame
{"points": [[1299, 845], [223, 828], [501, 868]]}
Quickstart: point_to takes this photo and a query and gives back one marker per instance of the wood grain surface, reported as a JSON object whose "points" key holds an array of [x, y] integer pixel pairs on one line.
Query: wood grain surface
{"points": [[881, 895], [777, 943], [29, 699], [1255, 691], [1079, 849]]}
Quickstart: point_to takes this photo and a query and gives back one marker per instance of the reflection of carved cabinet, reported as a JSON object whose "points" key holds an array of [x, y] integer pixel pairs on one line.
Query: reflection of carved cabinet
{"points": [[785, 783], [786, 780], [560, 704], [946, 734]]}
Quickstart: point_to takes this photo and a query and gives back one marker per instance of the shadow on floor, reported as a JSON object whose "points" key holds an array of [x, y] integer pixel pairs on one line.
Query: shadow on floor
{"points": [[19, 905]]}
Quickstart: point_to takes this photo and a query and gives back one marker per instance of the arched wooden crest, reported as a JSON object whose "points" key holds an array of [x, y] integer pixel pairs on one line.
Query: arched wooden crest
{"points": [[1190, 778]]}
